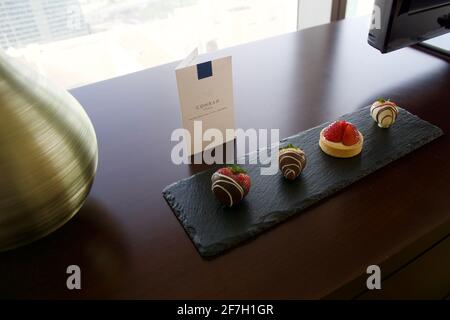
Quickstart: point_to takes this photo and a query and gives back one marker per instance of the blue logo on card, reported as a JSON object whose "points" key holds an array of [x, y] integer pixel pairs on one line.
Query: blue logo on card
{"points": [[204, 70]]}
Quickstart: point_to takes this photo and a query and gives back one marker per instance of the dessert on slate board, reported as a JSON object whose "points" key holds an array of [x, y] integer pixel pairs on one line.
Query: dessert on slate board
{"points": [[292, 161], [341, 139], [384, 112], [230, 185]]}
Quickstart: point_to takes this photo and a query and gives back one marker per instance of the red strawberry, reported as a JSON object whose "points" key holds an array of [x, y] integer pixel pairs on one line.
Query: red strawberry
{"points": [[351, 135], [244, 181], [225, 171], [335, 131], [239, 175]]}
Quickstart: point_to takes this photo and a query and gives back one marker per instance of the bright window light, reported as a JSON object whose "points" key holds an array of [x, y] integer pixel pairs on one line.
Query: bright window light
{"points": [[76, 42], [357, 8]]}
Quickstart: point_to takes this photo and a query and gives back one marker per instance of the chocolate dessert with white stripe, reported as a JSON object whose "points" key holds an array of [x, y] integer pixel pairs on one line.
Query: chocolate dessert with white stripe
{"points": [[230, 185], [292, 161]]}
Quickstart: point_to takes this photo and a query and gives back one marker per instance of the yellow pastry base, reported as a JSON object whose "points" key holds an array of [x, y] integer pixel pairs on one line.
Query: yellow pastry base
{"points": [[339, 150]]}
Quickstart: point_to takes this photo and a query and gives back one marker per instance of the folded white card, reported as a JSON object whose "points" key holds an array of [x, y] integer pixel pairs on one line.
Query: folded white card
{"points": [[206, 97]]}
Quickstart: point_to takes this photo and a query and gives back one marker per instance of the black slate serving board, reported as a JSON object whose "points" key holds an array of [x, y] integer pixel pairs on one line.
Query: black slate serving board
{"points": [[214, 228]]}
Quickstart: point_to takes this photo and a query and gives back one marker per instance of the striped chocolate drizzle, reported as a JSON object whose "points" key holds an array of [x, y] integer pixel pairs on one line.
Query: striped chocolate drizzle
{"points": [[384, 111], [224, 184], [291, 163]]}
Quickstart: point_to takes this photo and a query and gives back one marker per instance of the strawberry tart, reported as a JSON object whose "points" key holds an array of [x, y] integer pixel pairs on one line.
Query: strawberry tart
{"points": [[341, 139]]}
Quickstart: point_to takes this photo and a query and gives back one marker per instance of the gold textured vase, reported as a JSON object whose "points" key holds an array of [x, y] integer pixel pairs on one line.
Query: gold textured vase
{"points": [[48, 155]]}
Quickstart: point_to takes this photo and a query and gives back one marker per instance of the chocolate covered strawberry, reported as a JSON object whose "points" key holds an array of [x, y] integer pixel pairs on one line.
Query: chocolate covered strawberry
{"points": [[230, 185], [384, 112], [291, 161]]}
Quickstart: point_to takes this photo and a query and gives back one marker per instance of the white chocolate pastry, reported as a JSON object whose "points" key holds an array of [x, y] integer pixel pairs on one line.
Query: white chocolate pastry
{"points": [[384, 113]]}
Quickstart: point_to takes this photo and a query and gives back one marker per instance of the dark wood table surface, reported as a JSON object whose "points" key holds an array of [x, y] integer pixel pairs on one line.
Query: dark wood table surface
{"points": [[129, 244]]}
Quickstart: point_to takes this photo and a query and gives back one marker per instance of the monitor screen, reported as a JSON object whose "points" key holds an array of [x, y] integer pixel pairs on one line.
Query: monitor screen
{"points": [[407, 22]]}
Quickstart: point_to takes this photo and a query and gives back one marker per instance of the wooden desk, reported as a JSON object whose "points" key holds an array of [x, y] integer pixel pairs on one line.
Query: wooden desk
{"points": [[130, 245]]}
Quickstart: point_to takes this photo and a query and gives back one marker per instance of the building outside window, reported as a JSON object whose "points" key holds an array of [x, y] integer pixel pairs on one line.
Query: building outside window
{"points": [[76, 42]]}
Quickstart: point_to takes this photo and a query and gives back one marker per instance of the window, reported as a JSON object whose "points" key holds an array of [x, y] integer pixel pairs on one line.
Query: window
{"points": [[359, 8], [76, 42]]}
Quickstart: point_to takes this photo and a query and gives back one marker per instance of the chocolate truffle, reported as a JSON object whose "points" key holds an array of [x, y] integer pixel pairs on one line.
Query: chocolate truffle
{"points": [[292, 161]]}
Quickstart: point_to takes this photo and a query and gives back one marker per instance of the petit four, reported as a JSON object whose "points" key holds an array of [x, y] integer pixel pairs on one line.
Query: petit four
{"points": [[341, 139], [230, 185], [292, 161], [384, 112]]}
